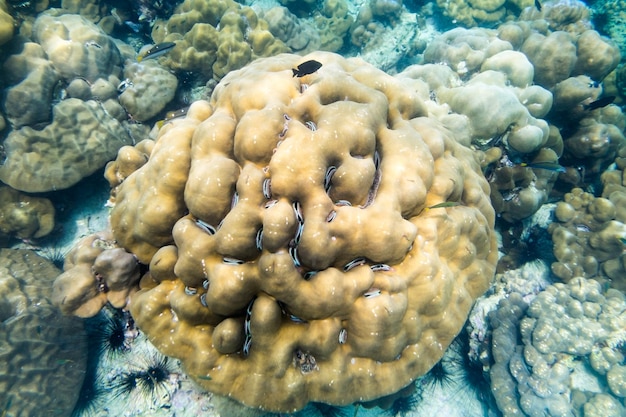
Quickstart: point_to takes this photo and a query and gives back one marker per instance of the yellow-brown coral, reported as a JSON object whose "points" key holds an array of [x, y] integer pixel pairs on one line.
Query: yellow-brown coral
{"points": [[218, 36], [588, 236], [24, 216], [295, 251], [82, 137], [95, 272], [6, 23]]}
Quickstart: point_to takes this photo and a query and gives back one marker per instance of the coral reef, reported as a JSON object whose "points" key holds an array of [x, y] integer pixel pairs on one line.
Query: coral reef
{"points": [[562, 354], [77, 47], [589, 232], [324, 29], [96, 272], [148, 89], [465, 50], [299, 36], [371, 18], [24, 216], [333, 22], [312, 251], [32, 79], [129, 159], [608, 18], [42, 353], [515, 138], [481, 12], [214, 37], [563, 43], [377, 28], [71, 75], [324, 236], [549, 66], [82, 137], [572, 16], [6, 23]]}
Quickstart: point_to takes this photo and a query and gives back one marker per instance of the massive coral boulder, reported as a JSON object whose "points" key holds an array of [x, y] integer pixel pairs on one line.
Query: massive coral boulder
{"points": [[315, 238], [82, 137]]}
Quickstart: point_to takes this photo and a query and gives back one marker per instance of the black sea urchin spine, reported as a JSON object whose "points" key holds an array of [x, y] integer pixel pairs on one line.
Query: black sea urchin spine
{"points": [[147, 382]]}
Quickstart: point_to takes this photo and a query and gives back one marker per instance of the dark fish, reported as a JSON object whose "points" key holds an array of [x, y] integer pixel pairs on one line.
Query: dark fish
{"points": [[306, 68], [602, 102], [549, 166], [538, 5], [156, 51]]}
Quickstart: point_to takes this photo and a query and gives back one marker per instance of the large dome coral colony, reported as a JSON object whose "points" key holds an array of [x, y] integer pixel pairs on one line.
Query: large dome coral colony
{"points": [[290, 241]]}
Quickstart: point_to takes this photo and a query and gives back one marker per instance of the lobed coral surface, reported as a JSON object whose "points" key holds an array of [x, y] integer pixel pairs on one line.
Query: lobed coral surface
{"points": [[297, 239]]}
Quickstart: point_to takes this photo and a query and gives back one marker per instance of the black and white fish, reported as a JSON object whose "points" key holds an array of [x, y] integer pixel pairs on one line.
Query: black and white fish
{"points": [[156, 51]]}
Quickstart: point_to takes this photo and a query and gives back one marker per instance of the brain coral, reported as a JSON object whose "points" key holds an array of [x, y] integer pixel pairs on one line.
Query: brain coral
{"points": [[77, 47], [81, 138], [298, 250], [43, 355]]}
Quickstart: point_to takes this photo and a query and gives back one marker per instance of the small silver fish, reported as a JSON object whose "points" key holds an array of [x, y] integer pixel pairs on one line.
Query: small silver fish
{"points": [[232, 261], [293, 252], [380, 267], [343, 336], [372, 292], [353, 264]]}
